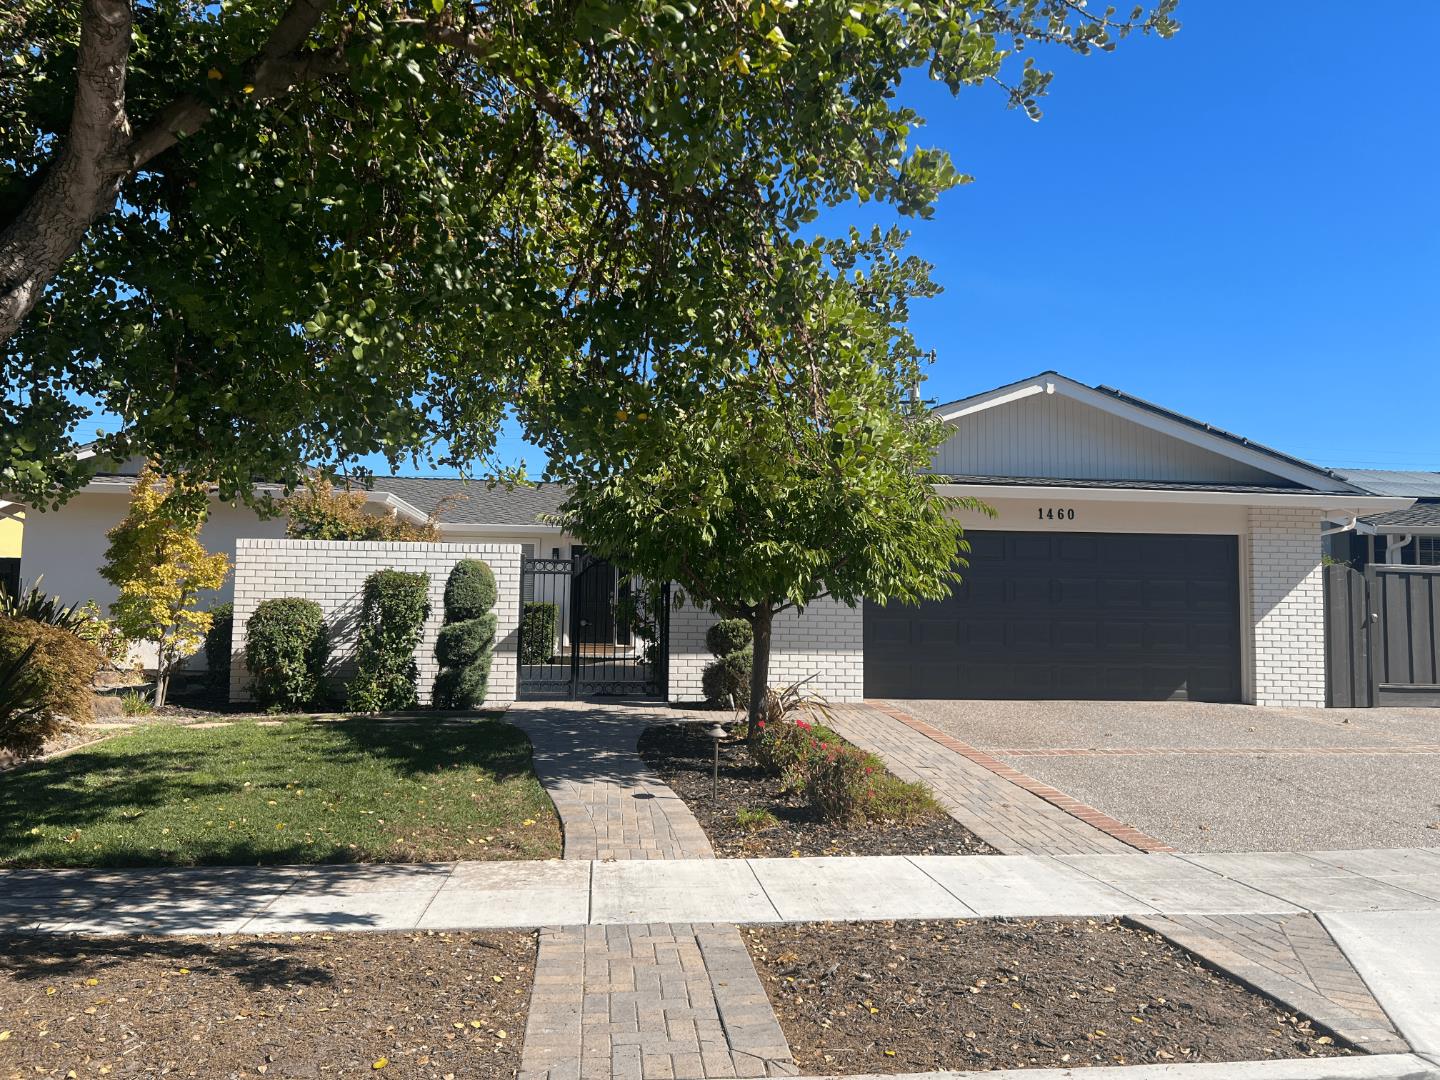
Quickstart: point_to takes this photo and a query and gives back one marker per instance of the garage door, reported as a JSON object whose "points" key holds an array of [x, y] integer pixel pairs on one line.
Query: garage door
{"points": [[1070, 615]]}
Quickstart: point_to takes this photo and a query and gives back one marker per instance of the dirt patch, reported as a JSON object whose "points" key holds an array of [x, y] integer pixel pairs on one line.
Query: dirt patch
{"points": [[988, 994], [682, 755], [303, 1005]]}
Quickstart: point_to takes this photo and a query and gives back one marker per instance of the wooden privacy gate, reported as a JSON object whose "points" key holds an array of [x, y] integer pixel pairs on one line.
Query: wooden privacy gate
{"points": [[588, 630], [1382, 636]]}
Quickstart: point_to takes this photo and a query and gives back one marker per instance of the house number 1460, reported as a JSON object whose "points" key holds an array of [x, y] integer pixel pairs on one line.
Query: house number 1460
{"points": [[1053, 513]]}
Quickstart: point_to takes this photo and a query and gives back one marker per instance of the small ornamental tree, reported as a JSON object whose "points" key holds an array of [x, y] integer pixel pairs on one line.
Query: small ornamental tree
{"points": [[467, 640], [802, 477], [321, 511], [392, 619], [157, 562]]}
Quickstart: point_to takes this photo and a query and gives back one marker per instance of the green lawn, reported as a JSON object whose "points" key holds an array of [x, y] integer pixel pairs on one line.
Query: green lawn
{"points": [[293, 792]]}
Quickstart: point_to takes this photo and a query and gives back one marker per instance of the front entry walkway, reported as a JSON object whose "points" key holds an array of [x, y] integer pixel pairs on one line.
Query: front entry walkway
{"points": [[610, 805], [634, 1000]]}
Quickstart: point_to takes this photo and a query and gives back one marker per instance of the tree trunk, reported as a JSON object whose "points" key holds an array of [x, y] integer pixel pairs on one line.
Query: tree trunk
{"points": [[83, 182], [162, 683], [759, 663]]}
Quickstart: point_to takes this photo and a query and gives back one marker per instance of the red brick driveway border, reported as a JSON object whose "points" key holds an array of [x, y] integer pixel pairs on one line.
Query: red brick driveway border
{"points": [[1126, 834]]}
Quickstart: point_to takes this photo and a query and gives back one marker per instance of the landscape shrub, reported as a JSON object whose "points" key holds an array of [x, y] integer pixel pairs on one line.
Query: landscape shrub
{"points": [[463, 643], [393, 610], [286, 646], [466, 644], [469, 591], [46, 674], [537, 632], [219, 645], [103, 634], [729, 636], [725, 681], [840, 781]]}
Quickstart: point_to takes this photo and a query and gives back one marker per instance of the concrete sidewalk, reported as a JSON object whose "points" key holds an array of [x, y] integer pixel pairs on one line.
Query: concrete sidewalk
{"points": [[496, 895], [1380, 1067]]}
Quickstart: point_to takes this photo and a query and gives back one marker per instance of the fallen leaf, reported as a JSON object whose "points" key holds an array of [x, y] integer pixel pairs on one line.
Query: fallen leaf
{"points": [[379, 1063]]}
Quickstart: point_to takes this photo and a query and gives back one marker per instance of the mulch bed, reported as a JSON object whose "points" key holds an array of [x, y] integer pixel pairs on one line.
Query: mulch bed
{"points": [[682, 756], [896, 997], [291, 1005]]}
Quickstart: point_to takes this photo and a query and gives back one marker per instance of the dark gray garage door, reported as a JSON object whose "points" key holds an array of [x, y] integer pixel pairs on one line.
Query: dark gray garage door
{"points": [[1070, 615]]}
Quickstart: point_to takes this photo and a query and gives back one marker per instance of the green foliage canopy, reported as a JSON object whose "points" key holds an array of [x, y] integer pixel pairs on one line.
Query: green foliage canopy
{"points": [[269, 233]]}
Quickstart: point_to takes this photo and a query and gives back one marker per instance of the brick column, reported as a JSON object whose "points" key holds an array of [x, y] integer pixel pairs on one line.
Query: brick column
{"points": [[1287, 606]]}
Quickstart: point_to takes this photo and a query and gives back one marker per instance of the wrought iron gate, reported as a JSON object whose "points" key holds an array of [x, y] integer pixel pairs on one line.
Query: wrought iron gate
{"points": [[589, 630]]}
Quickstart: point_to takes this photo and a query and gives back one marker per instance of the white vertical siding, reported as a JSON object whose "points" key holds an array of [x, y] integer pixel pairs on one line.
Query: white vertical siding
{"points": [[1051, 435]]}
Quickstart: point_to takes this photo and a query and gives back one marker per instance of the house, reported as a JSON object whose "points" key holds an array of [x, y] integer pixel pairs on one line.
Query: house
{"points": [[1136, 554], [12, 535], [1408, 537]]}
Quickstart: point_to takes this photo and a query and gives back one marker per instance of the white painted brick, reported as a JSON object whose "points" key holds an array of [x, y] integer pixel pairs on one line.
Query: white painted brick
{"points": [[1287, 607], [333, 573]]}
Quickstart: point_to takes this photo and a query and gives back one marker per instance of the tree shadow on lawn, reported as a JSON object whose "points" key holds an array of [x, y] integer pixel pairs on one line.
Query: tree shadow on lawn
{"points": [[253, 963], [117, 782]]}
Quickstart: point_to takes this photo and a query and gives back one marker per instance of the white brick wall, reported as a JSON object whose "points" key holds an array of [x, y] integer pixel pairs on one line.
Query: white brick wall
{"points": [[827, 640], [332, 573], [1287, 603]]}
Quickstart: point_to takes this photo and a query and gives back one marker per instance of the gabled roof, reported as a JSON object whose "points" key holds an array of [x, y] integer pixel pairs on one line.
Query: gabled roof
{"points": [[1417, 484], [1147, 414]]}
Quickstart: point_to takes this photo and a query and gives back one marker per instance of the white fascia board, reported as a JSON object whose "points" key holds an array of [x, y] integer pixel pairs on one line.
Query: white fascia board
{"points": [[1052, 383], [391, 501], [468, 529], [990, 401], [1356, 504], [1206, 440]]}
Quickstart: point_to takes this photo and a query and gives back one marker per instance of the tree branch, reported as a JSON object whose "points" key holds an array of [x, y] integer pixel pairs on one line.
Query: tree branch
{"points": [[99, 154]]}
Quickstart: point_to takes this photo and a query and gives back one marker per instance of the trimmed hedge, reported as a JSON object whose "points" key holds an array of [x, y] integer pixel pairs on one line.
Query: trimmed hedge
{"points": [[466, 643], [392, 619], [729, 636], [45, 684], [537, 632], [219, 646], [286, 646], [470, 590]]}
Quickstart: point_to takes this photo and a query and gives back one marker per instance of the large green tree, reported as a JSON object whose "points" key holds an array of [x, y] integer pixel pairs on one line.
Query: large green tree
{"points": [[799, 475], [262, 233]]}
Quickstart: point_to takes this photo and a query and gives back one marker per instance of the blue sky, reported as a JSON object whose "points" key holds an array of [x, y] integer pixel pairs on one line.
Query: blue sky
{"points": [[1240, 223]]}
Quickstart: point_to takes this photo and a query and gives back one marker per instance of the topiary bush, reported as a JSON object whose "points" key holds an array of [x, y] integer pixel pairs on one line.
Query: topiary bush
{"points": [[537, 632], [469, 591], [286, 646], [466, 643], [45, 684], [729, 636], [393, 610], [219, 646], [726, 679]]}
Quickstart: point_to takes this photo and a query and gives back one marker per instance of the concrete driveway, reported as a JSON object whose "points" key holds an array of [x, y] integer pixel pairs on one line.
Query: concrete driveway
{"points": [[1223, 777]]}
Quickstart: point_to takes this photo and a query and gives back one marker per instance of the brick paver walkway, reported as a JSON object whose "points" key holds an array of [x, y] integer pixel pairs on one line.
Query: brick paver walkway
{"points": [[1293, 959], [1001, 812], [611, 806], [666, 1001], [662, 1001]]}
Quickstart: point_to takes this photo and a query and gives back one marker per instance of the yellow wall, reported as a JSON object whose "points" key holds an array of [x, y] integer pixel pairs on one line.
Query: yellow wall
{"points": [[10, 531]]}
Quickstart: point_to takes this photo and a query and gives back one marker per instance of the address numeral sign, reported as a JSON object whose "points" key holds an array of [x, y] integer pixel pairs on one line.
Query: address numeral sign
{"points": [[1055, 513]]}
